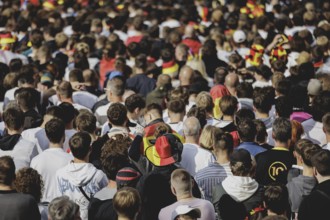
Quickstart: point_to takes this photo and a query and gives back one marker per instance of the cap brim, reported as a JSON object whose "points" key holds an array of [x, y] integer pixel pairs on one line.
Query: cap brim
{"points": [[153, 157], [185, 210]]}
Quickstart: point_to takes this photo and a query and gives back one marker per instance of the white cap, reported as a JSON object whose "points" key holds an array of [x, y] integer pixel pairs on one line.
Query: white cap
{"points": [[239, 36], [184, 209]]}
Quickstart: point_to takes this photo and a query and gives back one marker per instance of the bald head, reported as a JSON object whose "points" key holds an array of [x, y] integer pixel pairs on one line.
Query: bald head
{"points": [[191, 127], [231, 80], [185, 75], [189, 31]]}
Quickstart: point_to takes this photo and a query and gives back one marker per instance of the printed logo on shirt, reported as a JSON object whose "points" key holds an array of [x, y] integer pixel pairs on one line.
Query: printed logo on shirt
{"points": [[275, 169]]}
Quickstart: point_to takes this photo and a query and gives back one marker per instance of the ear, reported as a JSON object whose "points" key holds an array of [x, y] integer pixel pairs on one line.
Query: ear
{"points": [[173, 190], [315, 173], [136, 111]]}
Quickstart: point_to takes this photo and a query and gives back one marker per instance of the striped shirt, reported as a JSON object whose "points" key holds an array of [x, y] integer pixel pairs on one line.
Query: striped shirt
{"points": [[211, 176]]}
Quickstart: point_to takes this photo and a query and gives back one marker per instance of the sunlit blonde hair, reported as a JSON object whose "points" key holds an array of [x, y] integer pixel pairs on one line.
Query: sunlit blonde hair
{"points": [[206, 140]]}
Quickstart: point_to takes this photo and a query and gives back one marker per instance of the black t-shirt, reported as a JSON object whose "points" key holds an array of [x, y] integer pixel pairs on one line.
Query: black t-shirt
{"points": [[273, 166]]}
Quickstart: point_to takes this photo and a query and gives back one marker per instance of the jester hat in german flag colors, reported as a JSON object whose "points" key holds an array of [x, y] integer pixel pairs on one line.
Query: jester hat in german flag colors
{"points": [[166, 151]]}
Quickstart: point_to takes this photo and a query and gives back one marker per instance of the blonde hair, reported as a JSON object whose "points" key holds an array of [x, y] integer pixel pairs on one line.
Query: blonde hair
{"points": [[127, 202], [197, 64], [207, 138], [204, 100]]}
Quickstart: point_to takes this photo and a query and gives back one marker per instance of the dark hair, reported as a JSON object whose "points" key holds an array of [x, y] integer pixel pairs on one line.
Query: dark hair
{"points": [[247, 130], [80, 144], [261, 131], [276, 198], [199, 113], [65, 89], [133, 49], [76, 75], [176, 106], [117, 114], [155, 106], [7, 170], [242, 114], [114, 155], [29, 181], [282, 129], [86, 121], [244, 90], [321, 161], [69, 110], [135, 101], [223, 141], [54, 111], [220, 74], [26, 98], [321, 105], [55, 130], [307, 152], [13, 118], [228, 105], [283, 87], [262, 100], [141, 61], [283, 107]]}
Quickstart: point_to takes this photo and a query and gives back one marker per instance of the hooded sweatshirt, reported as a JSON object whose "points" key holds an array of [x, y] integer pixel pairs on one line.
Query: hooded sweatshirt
{"points": [[240, 188], [85, 175], [300, 187]]}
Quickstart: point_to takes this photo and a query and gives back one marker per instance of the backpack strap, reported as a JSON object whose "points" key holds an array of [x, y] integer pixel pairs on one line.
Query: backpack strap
{"points": [[84, 193]]}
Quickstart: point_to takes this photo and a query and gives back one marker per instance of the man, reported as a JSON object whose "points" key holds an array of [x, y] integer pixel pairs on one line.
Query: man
{"points": [[115, 90], [37, 135], [68, 118], [63, 208], [217, 171], [194, 158], [127, 203], [231, 82], [181, 187], [273, 165], [176, 112], [247, 132], [80, 179], [14, 205], [326, 130], [52, 159], [262, 104], [163, 86], [317, 204], [135, 105], [228, 107], [13, 144], [302, 185]]}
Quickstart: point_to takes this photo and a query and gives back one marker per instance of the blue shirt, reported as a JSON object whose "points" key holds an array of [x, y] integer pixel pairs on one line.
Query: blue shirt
{"points": [[252, 147]]}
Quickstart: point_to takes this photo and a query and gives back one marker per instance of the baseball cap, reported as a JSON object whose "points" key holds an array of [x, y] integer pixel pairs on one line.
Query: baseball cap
{"points": [[185, 209], [127, 176], [239, 36]]}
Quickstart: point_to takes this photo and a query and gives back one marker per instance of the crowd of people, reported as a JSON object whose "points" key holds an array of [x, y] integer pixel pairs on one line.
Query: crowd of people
{"points": [[187, 109]]}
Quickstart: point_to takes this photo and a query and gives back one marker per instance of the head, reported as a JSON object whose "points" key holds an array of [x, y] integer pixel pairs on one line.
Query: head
{"points": [[62, 208], [29, 181], [64, 91], [320, 163], [283, 107], [26, 99], [181, 183], [70, 112], [186, 75], [241, 163], [223, 143], [261, 135], [282, 130], [135, 105], [262, 102], [117, 114], [55, 131], [153, 112], [243, 114], [199, 113], [127, 177], [276, 199], [206, 139], [231, 82], [114, 155], [247, 130], [13, 118], [7, 171], [86, 121], [80, 144], [191, 127], [204, 100], [115, 88], [326, 123], [320, 106], [228, 105], [127, 202], [220, 75], [176, 108]]}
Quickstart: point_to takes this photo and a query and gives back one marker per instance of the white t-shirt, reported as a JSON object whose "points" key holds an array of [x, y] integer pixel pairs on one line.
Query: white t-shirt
{"points": [[31, 135], [22, 153], [195, 158], [47, 163], [178, 127], [314, 131]]}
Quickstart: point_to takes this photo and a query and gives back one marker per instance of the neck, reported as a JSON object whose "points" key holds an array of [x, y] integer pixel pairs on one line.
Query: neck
{"points": [[222, 157], [115, 99], [12, 132], [184, 196], [69, 100], [124, 218], [112, 184], [228, 118], [191, 140], [176, 118], [321, 179], [327, 137], [69, 126], [307, 171], [55, 145], [281, 144], [261, 115], [132, 116], [76, 160], [5, 187], [139, 71]]}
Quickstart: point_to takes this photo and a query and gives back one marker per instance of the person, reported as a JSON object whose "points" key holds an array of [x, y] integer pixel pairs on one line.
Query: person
{"points": [[14, 205], [29, 181], [13, 144], [326, 130], [63, 208], [240, 187], [52, 159], [80, 179], [186, 212], [247, 133], [176, 112], [261, 136], [273, 165], [181, 186], [301, 186], [231, 82], [127, 203], [135, 105], [262, 104], [194, 157], [316, 205], [276, 200], [212, 175], [163, 86], [228, 107], [68, 118]]}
